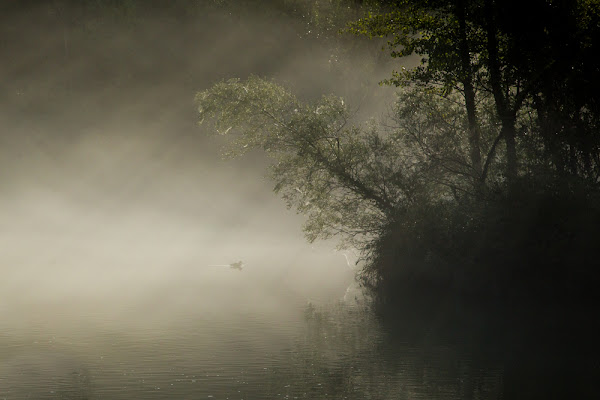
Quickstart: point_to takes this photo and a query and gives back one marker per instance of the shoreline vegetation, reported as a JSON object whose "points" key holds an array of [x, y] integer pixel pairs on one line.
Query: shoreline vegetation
{"points": [[482, 183], [530, 242]]}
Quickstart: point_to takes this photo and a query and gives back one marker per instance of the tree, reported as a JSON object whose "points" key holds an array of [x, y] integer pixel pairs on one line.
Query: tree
{"points": [[321, 166], [439, 33], [536, 66], [351, 180]]}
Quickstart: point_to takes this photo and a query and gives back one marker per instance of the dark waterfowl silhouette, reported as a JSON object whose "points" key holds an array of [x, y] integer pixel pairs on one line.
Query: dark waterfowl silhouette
{"points": [[237, 265]]}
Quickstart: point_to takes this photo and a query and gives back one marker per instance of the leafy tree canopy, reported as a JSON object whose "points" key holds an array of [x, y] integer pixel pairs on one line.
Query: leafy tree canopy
{"points": [[351, 180], [540, 64]]}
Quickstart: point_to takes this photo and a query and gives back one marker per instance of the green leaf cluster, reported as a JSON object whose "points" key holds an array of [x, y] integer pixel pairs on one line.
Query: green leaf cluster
{"points": [[350, 180]]}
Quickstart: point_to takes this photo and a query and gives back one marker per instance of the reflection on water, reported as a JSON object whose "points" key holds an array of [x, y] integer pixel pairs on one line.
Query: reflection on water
{"points": [[344, 353], [186, 345], [338, 352]]}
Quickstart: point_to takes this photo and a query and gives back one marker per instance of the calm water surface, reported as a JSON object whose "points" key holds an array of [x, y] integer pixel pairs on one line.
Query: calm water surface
{"points": [[229, 334]]}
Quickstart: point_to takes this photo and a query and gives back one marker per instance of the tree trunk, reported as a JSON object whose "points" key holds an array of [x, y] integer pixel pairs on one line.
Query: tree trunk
{"points": [[467, 80], [509, 133], [507, 116]]}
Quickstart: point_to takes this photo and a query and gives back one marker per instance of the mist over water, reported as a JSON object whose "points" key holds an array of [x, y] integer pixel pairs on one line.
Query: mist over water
{"points": [[118, 181], [114, 204]]}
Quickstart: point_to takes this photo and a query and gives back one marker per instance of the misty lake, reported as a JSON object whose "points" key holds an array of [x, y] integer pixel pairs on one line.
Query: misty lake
{"points": [[192, 332], [114, 207], [211, 333]]}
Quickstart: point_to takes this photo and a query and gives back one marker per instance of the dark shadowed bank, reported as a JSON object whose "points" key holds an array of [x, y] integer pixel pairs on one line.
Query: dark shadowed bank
{"points": [[515, 277], [534, 247], [511, 262]]}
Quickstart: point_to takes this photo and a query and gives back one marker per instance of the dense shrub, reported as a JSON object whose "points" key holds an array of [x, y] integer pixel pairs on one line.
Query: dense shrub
{"points": [[532, 244]]}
